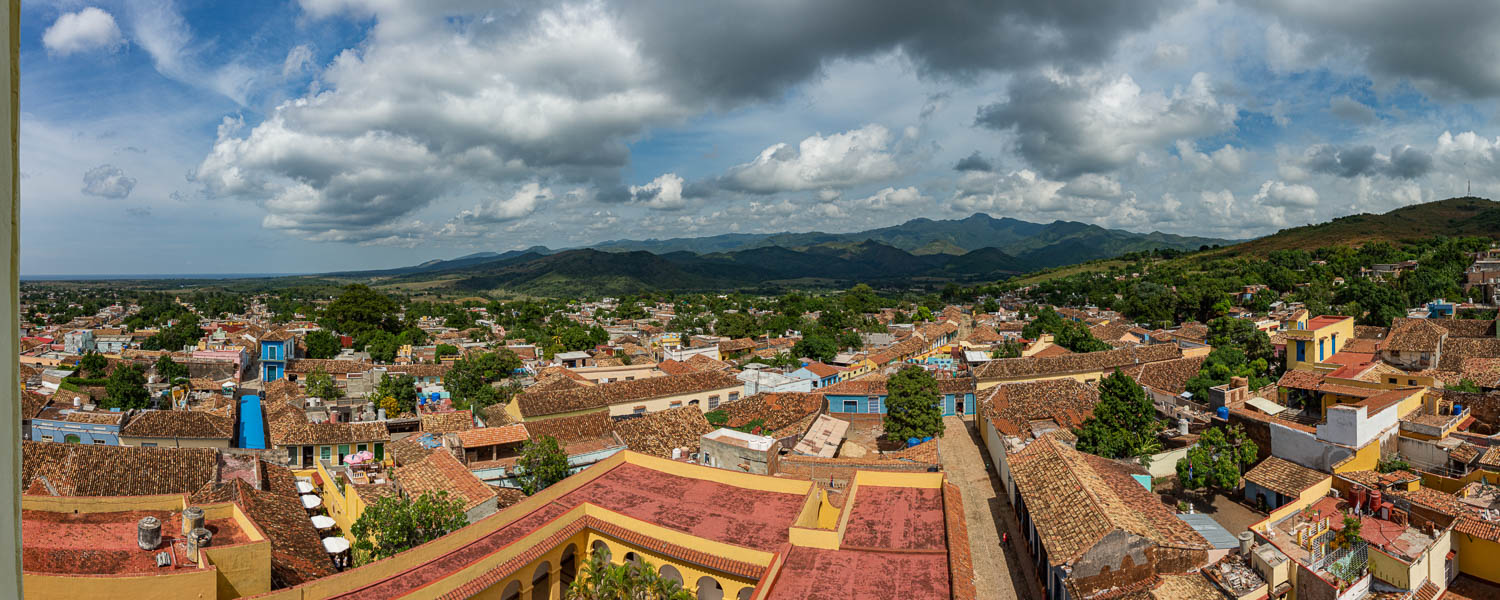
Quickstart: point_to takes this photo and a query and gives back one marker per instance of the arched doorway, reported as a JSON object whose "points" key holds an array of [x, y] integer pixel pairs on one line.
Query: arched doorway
{"points": [[568, 565], [709, 589], [633, 558], [671, 572], [745, 593], [512, 591], [541, 582]]}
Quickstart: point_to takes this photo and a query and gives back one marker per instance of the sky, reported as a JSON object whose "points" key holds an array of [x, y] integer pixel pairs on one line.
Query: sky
{"points": [[319, 135]]}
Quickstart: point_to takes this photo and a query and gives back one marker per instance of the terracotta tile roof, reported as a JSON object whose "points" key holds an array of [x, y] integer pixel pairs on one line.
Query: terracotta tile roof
{"points": [[1464, 453], [704, 363], [821, 370], [1370, 332], [439, 472], [736, 345], [658, 433], [297, 554], [1188, 586], [1168, 376], [675, 367], [1051, 351], [32, 403], [179, 424], [1110, 331], [1284, 476], [494, 415], [331, 366], [1075, 499], [1491, 458], [1012, 407], [1015, 368], [1457, 350], [1482, 371], [332, 433], [1377, 480], [1414, 335], [1301, 380], [89, 470], [420, 370], [1196, 332], [575, 428], [605, 394], [983, 335], [448, 422], [277, 335], [1468, 328], [960, 558], [408, 450], [776, 410], [492, 436], [874, 385], [1468, 518]]}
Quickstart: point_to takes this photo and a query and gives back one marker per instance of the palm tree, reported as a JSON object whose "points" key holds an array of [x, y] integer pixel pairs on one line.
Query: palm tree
{"points": [[600, 580]]}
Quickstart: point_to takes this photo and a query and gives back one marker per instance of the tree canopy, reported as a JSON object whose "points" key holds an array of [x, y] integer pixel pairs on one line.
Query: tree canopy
{"points": [[397, 394], [170, 370], [1219, 460], [321, 344], [393, 524], [321, 385], [126, 389], [359, 308], [542, 464], [468, 381], [913, 406], [1124, 422], [600, 579], [94, 365]]}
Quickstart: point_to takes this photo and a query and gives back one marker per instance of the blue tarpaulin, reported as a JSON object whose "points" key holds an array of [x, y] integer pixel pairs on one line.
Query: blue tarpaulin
{"points": [[252, 426]]}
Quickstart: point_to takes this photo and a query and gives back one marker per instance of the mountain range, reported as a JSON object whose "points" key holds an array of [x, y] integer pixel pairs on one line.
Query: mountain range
{"points": [[920, 251]]}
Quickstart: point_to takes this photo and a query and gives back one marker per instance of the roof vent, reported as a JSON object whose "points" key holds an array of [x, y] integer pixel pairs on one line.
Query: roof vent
{"points": [[198, 539], [148, 533]]}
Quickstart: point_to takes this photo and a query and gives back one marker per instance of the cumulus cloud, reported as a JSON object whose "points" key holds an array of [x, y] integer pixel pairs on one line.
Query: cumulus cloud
{"points": [[893, 198], [501, 209], [1404, 162], [662, 193], [1008, 192], [1068, 125], [839, 160], [107, 181], [88, 29], [1468, 151], [1276, 193], [1227, 158]]}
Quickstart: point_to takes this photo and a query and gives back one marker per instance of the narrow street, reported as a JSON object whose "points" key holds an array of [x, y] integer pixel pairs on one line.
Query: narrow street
{"points": [[999, 572]]}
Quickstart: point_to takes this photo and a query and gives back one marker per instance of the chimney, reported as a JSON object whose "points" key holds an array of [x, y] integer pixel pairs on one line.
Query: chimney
{"points": [[198, 539], [192, 518], [148, 533]]}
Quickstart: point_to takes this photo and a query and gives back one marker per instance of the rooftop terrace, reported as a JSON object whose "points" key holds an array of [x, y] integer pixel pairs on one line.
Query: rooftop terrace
{"points": [[104, 543]]}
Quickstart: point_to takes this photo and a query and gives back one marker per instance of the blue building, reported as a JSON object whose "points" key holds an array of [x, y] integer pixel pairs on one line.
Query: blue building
{"points": [[821, 375], [867, 396], [1276, 482], [77, 426], [275, 349]]}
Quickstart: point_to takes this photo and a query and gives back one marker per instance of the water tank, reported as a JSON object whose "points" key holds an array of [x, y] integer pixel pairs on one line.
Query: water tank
{"points": [[380, 413], [1458, 409], [912, 442], [1374, 503], [148, 533], [192, 518], [1182, 426], [1247, 542], [1223, 412]]}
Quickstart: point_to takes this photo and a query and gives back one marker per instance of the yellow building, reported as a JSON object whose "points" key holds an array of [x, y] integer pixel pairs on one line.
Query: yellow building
{"points": [[720, 533], [1316, 340]]}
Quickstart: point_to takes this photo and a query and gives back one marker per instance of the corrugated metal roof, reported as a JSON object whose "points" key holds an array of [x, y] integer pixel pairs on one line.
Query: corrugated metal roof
{"points": [[1266, 406], [1211, 530]]}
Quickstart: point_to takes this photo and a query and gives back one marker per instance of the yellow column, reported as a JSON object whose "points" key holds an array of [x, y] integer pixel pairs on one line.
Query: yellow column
{"points": [[555, 581]]}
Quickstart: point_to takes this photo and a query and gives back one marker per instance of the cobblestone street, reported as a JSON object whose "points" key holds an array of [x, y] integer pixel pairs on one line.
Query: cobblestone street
{"points": [[998, 572]]}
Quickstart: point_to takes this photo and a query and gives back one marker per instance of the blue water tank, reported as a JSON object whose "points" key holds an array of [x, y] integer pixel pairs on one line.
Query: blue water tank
{"points": [[435, 397], [926, 439], [1223, 412], [1458, 409], [912, 442]]}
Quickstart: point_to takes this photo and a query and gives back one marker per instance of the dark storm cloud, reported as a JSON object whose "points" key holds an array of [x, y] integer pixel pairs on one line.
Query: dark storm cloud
{"points": [[751, 49], [1404, 162], [974, 162]]}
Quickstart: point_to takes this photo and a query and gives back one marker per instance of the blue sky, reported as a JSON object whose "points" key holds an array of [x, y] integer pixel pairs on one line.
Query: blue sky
{"points": [[315, 135]]}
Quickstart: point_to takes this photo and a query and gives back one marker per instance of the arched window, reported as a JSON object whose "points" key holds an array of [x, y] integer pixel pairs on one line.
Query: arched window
{"points": [[599, 547], [568, 565], [512, 591], [671, 572], [541, 582], [709, 589]]}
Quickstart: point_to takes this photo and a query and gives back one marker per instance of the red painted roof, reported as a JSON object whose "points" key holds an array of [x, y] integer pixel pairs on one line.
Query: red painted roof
{"points": [[896, 518], [1324, 321], [814, 573], [105, 543]]}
